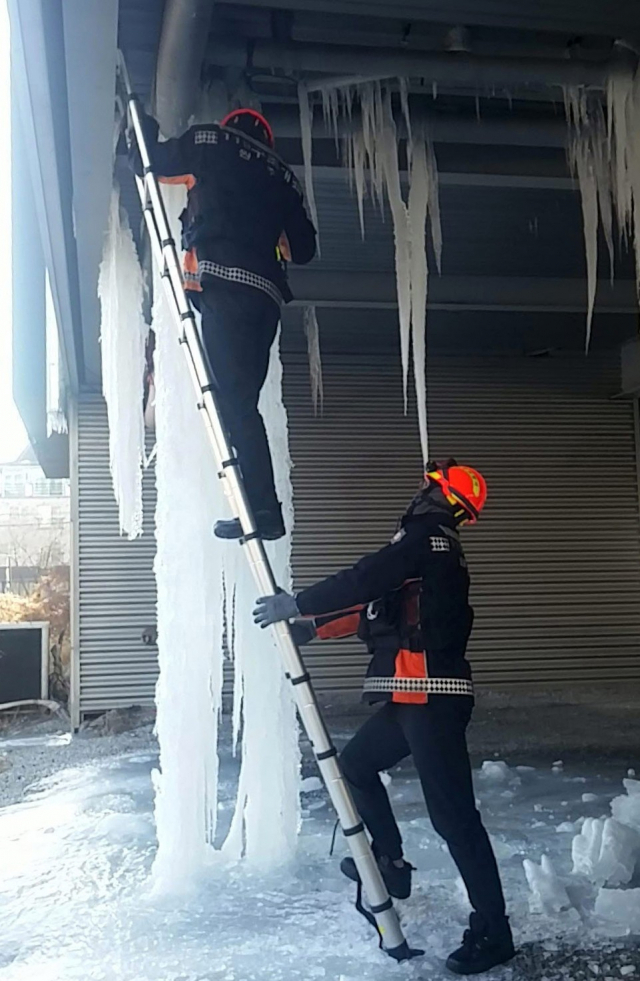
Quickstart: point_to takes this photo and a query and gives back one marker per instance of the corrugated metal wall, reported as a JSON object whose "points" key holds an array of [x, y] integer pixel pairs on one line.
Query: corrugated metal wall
{"points": [[116, 591], [555, 561]]}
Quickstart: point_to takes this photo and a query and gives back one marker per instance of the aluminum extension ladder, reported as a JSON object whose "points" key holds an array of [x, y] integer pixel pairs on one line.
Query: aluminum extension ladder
{"points": [[381, 910]]}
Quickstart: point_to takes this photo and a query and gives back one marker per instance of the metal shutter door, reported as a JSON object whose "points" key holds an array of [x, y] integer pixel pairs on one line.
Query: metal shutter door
{"points": [[555, 562], [116, 592]]}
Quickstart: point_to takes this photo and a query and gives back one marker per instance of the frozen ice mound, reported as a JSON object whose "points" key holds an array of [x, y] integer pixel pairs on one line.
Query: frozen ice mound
{"points": [[626, 809], [620, 906], [548, 894], [606, 852]]}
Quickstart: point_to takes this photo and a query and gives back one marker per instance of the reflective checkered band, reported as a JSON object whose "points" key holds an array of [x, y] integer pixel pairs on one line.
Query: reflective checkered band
{"points": [[207, 136], [233, 274], [439, 544], [432, 686]]}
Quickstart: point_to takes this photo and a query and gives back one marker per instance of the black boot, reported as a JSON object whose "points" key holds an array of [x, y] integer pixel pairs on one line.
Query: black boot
{"points": [[483, 946], [269, 524], [397, 879]]}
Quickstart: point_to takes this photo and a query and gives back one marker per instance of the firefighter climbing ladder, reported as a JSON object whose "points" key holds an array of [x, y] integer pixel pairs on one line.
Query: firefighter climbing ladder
{"points": [[166, 255]]}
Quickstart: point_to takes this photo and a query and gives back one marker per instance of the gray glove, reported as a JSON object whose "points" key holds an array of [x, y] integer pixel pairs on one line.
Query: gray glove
{"points": [[303, 632], [273, 609]]}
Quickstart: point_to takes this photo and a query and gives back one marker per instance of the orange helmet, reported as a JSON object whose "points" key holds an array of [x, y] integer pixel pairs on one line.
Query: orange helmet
{"points": [[460, 485], [251, 122]]}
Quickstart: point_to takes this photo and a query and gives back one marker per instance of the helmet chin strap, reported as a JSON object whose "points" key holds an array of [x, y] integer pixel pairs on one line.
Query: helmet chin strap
{"points": [[430, 499]]}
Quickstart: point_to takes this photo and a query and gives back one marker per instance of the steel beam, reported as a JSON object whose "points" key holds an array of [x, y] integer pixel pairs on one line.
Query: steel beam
{"points": [[333, 288], [442, 69]]}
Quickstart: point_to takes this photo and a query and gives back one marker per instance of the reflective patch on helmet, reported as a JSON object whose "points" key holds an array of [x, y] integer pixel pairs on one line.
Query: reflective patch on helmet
{"points": [[475, 483], [439, 544]]}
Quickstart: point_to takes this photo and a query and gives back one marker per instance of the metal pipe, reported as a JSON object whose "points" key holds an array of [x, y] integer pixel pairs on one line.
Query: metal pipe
{"points": [[443, 69], [183, 41], [512, 131], [353, 289]]}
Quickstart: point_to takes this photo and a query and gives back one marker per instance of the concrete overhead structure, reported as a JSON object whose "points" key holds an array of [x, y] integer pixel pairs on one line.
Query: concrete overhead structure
{"points": [[509, 384]]}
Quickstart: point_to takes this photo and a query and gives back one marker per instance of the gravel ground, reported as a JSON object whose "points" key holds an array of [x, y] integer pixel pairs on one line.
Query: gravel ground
{"points": [[34, 746], [552, 962]]}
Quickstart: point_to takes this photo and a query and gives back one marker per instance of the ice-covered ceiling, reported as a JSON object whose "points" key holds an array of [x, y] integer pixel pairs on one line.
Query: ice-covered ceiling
{"points": [[488, 77]]}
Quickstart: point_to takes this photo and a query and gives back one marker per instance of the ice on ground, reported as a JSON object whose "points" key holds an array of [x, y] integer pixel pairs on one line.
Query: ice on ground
{"points": [[566, 827], [386, 778], [24, 742], [123, 827], [589, 798], [310, 784], [75, 898], [496, 772]]}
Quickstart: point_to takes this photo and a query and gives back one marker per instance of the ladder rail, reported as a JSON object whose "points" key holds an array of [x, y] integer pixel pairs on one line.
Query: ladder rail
{"points": [[166, 255]]}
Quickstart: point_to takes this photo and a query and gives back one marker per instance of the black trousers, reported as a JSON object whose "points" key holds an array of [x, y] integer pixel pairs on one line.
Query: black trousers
{"points": [[434, 735], [239, 324]]}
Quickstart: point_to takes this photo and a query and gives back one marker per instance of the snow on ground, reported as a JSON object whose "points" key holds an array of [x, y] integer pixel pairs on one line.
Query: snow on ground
{"points": [[75, 901]]}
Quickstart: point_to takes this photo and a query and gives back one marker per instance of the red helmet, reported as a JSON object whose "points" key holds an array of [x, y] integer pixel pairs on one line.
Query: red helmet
{"points": [[460, 485], [251, 122]]}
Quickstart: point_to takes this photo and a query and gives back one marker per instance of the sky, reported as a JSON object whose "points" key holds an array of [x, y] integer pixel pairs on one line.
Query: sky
{"points": [[13, 437]]}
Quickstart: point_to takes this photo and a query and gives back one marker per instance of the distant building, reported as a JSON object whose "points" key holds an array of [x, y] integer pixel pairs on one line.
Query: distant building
{"points": [[35, 518]]}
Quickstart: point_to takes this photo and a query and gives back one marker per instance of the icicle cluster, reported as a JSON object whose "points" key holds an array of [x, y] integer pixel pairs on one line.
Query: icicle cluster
{"points": [[205, 590], [604, 153], [370, 151], [123, 335]]}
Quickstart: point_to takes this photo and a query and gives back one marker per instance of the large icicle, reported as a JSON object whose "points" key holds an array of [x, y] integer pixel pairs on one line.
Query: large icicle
{"points": [[267, 816], [312, 332], [387, 147], [190, 615], [433, 204], [585, 172], [123, 336], [203, 587], [419, 191]]}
